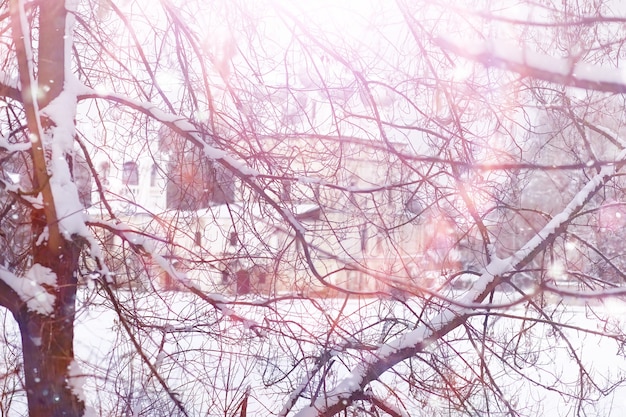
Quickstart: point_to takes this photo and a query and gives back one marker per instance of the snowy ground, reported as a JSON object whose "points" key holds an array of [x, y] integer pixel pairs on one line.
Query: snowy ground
{"points": [[212, 370]]}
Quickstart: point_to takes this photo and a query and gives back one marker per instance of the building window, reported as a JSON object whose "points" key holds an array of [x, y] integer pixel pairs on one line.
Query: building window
{"points": [[221, 185], [262, 277], [225, 276], [364, 238], [378, 246], [233, 238], [154, 175], [285, 192], [130, 173], [195, 182], [103, 172], [351, 195], [413, 204]]}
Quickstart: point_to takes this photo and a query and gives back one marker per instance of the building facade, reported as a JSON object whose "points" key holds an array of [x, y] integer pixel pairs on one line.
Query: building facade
{"points": [[363, 223]]}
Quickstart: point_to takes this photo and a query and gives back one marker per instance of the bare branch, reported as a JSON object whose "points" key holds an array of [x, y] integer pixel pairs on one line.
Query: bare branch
{"points": [[566, 72]]}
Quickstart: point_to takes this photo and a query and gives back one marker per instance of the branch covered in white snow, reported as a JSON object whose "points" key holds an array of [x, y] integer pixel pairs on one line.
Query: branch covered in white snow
{"points": [[416, 341], [564, 71], [185, 128], [30, 287]]}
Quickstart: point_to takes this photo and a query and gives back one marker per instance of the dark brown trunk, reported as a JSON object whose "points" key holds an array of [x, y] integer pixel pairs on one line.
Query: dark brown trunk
{"points": [[47, 342], [51, 64]]}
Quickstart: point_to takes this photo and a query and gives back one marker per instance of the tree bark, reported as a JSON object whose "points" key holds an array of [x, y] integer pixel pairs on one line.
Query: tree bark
{"points": [[47, 340]]}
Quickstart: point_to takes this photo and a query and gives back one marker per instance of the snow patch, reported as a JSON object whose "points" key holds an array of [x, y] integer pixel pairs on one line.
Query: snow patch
{"points": [[41, 275], [43, 237], [76, 380], [69, 210], [30, 287]]}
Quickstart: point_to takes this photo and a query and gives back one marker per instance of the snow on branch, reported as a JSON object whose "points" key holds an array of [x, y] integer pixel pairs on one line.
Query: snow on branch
{"points": [[179, 124], [407, 345], [185, 128], [60, 142], [30, 287], [142, 242], [564, 71]]}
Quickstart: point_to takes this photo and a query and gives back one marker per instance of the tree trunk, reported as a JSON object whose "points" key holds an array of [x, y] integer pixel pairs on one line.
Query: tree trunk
{"points": [[47, 340], [47, 344]]}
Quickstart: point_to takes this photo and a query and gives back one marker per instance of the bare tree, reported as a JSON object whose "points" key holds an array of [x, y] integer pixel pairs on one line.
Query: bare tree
{"points": [[232, 208]]}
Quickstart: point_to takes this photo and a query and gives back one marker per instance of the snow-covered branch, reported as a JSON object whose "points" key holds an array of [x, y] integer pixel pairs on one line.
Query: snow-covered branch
{"points": [[142, 243], [416, 341], [564, 71], [30, 288], [188, 130]]}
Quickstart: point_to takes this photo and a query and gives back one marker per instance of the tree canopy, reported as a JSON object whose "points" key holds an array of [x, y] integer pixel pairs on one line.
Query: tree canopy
{"points": [[285, 208]]}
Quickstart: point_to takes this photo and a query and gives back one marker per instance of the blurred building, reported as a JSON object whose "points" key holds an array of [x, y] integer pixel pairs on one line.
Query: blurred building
{"points": [[361, 215]]}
